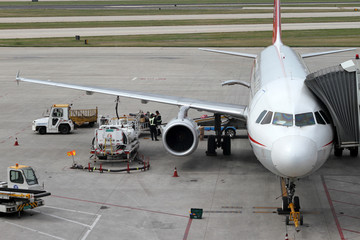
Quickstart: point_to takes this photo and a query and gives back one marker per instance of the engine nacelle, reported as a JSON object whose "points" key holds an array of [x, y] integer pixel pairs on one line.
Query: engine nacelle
{"points": [[181, 136]]}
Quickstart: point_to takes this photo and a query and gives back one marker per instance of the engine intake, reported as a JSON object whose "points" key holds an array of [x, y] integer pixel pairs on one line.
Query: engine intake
{"points": [[181, 136]]}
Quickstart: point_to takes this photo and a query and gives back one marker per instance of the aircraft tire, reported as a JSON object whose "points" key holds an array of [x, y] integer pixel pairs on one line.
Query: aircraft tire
{"points": [[226, 146], [297, 203], [285, 204], [211, 146]]}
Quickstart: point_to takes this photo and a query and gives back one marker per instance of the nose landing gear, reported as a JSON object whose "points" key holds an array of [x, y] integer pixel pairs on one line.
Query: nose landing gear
{"points": [[290, 204]]}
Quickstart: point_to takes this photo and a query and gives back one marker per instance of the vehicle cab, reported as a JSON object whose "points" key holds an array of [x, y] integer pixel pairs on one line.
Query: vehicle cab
{"points": [[22, 177]]}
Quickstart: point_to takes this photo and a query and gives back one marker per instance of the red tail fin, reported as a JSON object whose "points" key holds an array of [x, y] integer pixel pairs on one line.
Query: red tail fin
{"points": [[276, 23]]}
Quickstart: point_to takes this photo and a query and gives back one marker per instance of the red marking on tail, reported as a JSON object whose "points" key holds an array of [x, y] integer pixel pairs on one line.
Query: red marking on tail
{"points": [[276, 22]]}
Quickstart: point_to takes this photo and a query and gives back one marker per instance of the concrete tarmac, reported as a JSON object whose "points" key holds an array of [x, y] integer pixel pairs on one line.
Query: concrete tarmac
{"points": [[238, 195]]}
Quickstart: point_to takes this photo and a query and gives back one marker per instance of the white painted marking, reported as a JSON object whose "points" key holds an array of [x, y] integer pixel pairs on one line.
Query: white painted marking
{"points": [[90, 227], [34, 230]]}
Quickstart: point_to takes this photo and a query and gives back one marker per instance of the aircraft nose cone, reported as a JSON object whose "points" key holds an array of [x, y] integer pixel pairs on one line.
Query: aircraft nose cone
{"points": [[294, 156]]}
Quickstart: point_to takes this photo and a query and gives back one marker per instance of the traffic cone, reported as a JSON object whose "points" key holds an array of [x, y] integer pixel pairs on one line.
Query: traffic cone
{"points": [[175, 173], [16, 142], [357, 56], [286, 237]]}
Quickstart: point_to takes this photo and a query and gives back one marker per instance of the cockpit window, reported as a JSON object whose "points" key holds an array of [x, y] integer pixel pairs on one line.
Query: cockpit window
{"points": [[304, 119], [262, 114], [283, 119], [319, 119], [267, 118], [326, 118]]}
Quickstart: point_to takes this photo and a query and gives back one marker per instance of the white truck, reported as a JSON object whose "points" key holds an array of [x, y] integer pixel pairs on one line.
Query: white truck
{"points": [[116, 138], [22, 191], [62, 118]]}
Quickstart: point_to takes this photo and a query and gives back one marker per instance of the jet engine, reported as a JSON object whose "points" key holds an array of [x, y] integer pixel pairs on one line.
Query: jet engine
{"points": [[181, 136]]}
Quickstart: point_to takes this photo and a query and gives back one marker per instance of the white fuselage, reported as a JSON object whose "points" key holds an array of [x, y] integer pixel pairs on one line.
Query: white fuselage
{"points": [[286, 127]]}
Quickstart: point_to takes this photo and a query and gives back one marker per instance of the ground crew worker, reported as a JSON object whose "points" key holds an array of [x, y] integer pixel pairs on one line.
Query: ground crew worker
{"points": [[153, 127], [158, 122]]}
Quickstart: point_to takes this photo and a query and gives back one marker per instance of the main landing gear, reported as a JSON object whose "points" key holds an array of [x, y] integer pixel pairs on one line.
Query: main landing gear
{"points": [[218, 141], [290, 204]]}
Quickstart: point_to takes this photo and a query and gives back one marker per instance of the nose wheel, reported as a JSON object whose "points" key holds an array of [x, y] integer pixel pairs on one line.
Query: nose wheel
{"points": [[290, 204]]}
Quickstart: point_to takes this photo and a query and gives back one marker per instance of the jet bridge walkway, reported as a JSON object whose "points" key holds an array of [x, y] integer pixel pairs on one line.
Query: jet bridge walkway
{"points": [[337, 88]]}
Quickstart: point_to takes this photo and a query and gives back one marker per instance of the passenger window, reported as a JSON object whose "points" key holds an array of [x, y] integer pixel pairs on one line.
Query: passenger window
{"points": [[323, 114], [262, 114], [319, 119], [304, 119], [267, 118], [283, 119], [16, 177]]}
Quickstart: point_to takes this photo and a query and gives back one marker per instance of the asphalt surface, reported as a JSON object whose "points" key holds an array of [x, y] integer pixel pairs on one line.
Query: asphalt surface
{"points": [[238, 195]]}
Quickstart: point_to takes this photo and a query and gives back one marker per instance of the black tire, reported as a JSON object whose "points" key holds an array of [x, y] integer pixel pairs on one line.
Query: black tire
{"points": [[301, 220], [64, 129], [42, 130], [211, 147], [296, 203], [338, 152], [230, 132], [226, 145], [287, 220], [91, 124], [285, 204], [354, 152], [102, 157]]}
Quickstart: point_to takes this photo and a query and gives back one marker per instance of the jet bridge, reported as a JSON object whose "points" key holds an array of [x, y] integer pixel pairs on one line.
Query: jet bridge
{"points": [[337, 88]]}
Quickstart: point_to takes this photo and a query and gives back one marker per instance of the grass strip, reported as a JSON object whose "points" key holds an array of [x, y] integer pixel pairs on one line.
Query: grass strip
{"points": [[309, 38]]}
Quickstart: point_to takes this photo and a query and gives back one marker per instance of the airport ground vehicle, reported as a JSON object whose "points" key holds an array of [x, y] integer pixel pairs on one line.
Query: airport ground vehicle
{"points": [[22, 191], [61, 119], [117, 138], [228, 125]]}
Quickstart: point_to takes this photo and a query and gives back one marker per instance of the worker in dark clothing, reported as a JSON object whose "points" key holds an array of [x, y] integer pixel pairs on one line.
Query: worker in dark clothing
{"points": [[158, 122], [153, 127]]}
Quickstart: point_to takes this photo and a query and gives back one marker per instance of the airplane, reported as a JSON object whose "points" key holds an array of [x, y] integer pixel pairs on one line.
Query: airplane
{"points": [[288, 129]]}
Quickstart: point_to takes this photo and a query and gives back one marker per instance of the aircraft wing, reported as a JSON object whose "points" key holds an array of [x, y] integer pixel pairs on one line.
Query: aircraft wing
{"points": [[307, 55], [215, 107]]}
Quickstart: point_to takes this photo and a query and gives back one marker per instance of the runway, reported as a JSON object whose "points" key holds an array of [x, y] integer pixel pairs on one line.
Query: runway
{"points": [[238, 195], [122, 31], [173, 17]]}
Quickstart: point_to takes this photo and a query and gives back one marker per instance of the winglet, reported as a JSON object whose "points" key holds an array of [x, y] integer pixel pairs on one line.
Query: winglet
{"points": [[276, 39]]}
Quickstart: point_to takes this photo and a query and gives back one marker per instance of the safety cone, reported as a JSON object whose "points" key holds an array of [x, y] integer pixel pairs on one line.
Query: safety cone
{"points": [[16, 142], [357, 56], [175, 173], [286, 237]]}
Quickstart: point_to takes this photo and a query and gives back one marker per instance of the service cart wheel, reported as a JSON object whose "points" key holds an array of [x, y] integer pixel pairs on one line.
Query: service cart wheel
{"points": [[230, 132], [287, 220], [301, 220], [338, 152], [354, 152], [64, 129], [42, 130]]}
